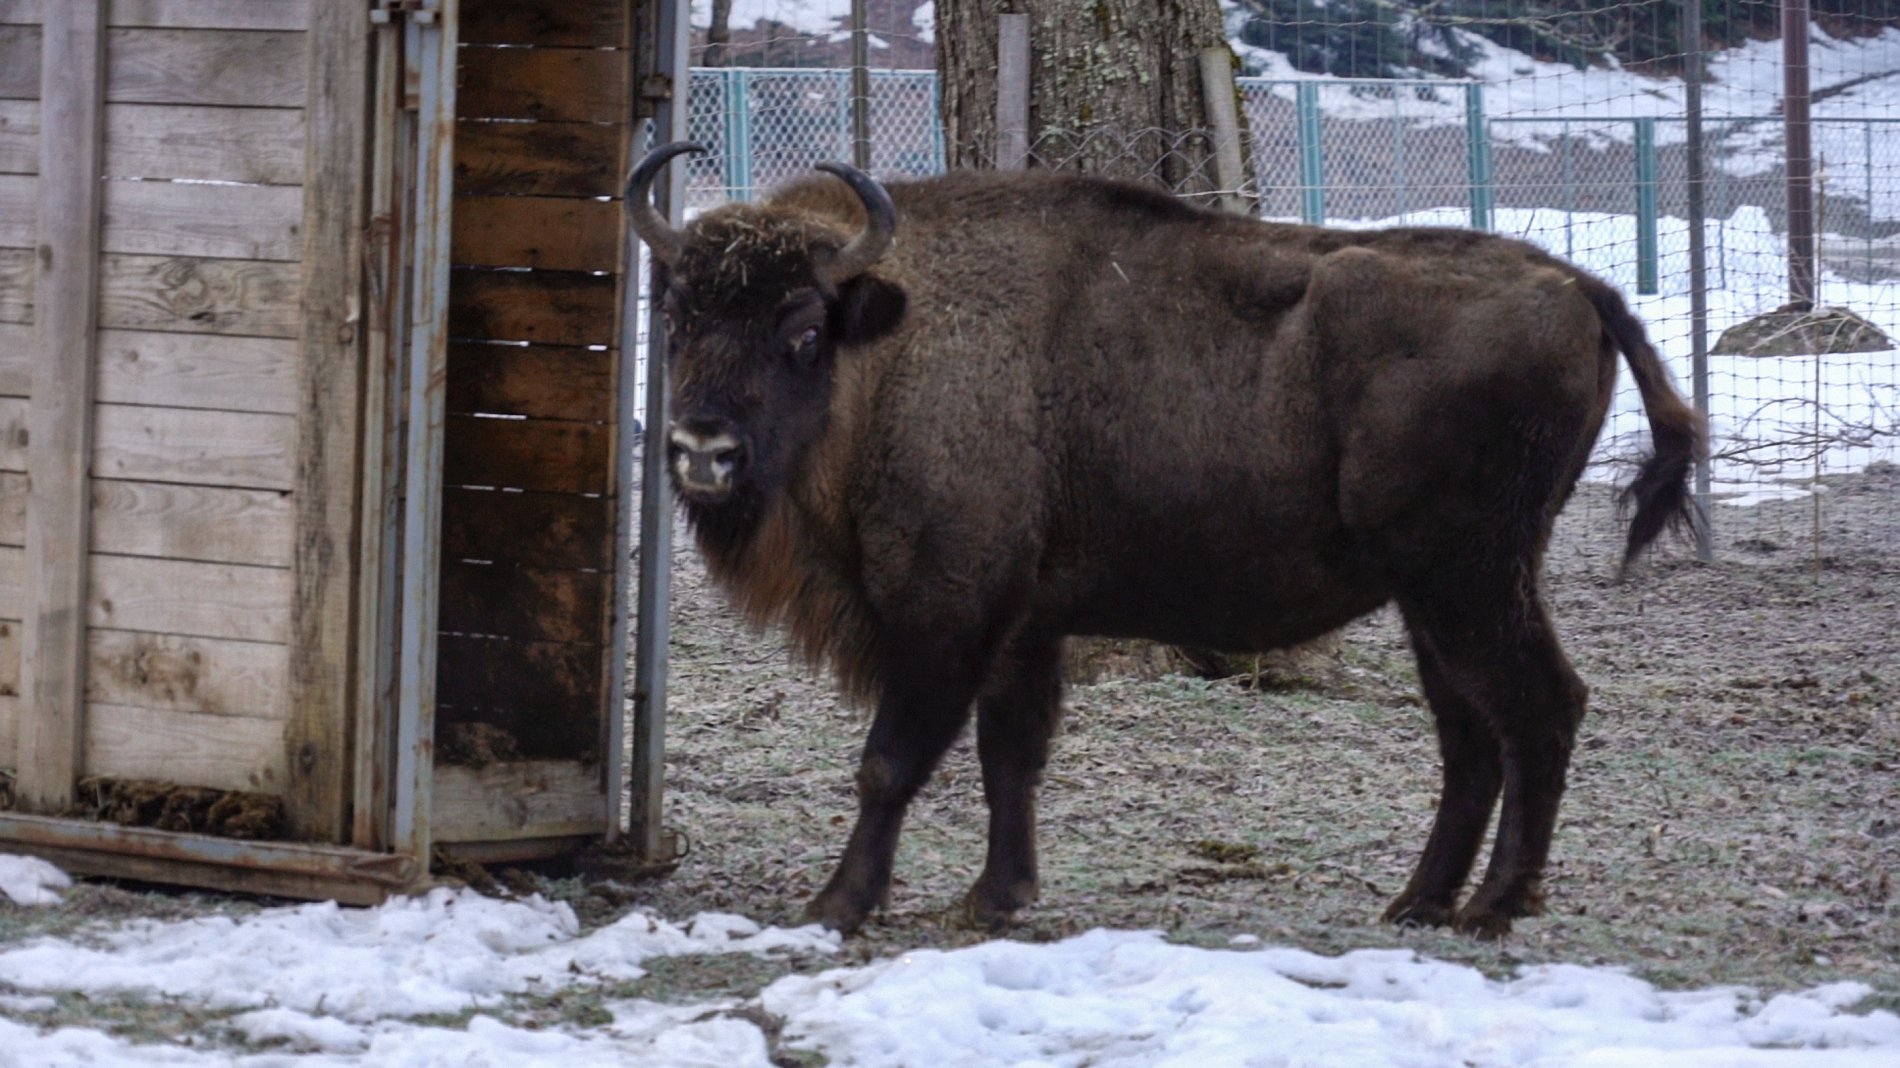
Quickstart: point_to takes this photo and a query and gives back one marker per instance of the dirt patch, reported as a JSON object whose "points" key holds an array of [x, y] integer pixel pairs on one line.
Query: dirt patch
{"points": [[168, 806], [1799, 330], [1730, 816]]}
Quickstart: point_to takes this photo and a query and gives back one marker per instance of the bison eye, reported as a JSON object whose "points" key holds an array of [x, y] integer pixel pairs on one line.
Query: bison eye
{"points": [[807, 341]]}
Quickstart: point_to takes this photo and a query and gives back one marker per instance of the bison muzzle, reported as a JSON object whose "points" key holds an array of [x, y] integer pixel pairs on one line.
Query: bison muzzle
{"points": [[934, 429]]}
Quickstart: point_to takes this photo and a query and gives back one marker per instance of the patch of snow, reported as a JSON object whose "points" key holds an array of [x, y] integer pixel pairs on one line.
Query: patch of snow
{"points": [[31, 881]]}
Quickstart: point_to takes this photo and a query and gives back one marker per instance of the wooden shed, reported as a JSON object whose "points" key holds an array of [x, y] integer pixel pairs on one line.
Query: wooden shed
{"points": [[316, 390]]}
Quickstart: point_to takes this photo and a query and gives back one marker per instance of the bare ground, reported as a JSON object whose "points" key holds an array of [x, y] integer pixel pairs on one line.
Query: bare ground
{"points": [[1733, 816]]}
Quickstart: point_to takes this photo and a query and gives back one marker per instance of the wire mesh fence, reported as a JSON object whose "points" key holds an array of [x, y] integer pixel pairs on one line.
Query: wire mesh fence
{"points": [[1588, 160]]}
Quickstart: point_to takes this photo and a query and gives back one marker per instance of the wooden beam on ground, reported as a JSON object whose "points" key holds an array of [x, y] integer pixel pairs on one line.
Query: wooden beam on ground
{"points": [[53, 649]]}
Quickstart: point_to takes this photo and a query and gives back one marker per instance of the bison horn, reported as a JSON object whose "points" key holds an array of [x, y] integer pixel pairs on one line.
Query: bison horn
{"points": [[645, 220], [880, 223]]}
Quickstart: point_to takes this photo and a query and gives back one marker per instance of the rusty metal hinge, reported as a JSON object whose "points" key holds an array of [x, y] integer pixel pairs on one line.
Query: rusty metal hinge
{"points": [[423, 12]]}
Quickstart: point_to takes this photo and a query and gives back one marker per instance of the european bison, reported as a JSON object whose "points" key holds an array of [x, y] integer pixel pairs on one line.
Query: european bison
{"points": [[932, 430]]}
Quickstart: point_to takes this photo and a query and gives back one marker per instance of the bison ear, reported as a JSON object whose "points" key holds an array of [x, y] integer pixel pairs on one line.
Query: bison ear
{"points": [[868, 308]]}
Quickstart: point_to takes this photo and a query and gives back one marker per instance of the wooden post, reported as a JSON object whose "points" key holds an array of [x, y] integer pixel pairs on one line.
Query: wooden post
{"points": [[1012, 92], [1223, 114], [1800, 154], [60, 419], [860, 88], [323, 563]]}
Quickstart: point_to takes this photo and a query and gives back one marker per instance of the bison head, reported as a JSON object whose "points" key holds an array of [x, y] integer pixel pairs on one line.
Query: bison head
{"points": [[759, 300]]}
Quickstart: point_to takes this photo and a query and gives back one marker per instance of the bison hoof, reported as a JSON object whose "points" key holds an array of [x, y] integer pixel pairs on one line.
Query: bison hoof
{"points": [[836, 911], [991, 907], [1407, 911], [1489, 913]]}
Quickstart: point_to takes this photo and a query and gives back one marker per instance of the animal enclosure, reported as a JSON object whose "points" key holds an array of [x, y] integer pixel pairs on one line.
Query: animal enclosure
{"points": [[310, 354]]}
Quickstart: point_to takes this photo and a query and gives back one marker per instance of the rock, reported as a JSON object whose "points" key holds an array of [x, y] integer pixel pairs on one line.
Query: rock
{"points": [[1800, 330]]}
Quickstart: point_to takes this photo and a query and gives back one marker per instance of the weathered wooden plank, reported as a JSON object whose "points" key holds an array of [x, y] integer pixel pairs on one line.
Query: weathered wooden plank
{"points": [[261, 145], [240, 68], [546, 695], [207, 523], [19, 11], [20, 62], [324, 561], [14, 412], [12, 516], [16, 360], [202, 448], [9, 731], [245, 222], [569, 23], [190, 598], [550, 233], [19, 137], [186, 674], [556, 84], [252, 374], [9, 658], [204, 296], [12, 582], [17, 284], [550, 307], [531, 380], [560, 159], [187, 748], [52, 650], [530, 798], [212, 14], [529, 454], [558, 530], [530, 604], [19, 210]]}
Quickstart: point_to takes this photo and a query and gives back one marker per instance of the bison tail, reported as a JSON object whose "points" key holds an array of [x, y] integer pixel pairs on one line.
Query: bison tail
{"points": [[1660, 494]]}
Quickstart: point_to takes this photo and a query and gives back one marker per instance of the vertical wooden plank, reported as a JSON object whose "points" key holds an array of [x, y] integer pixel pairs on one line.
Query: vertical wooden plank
{"points": [[324, 556], [53, 646]]}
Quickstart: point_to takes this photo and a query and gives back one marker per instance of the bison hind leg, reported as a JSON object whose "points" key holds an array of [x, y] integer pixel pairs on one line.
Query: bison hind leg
{"points": [[1017, 715]]}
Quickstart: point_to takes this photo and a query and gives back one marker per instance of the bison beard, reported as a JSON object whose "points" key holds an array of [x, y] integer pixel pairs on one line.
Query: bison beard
{"points": [[958, 420]]}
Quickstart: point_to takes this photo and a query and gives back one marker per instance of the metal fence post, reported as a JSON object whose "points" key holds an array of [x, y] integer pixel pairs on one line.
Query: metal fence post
{"points": [[1478, 156], [1312, 162], [738, 124], [1646, 206], [1012, 92], [1698, 262]]}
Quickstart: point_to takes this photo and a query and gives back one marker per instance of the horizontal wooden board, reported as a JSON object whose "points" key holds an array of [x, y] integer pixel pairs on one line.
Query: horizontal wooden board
{"points": [[184, 674], [550, 233], [207, 296], [244, 222], [186, 748], [20, 11], [550, 307], [207, 523], [532, 380], [253, 374], [19, 136], [558, 530], [261, 145], [12, 508], [539, 680], [529, 454], [526, 603], [20, 62], [12, 582], [211, 14], [562, 159], [17, 343], [19, 210], [202, 448], [189, 598], [13, 416], [240, 68], [557, 84], [16, 285], [572, 23], [532, 798]]}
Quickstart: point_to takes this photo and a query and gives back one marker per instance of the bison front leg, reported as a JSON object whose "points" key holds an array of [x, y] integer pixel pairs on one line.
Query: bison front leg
{"points": [[925, 702], [1016, 716]]}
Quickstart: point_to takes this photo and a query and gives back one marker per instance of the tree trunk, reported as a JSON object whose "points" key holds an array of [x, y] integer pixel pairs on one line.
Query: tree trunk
{"points": [[718, 34], [1114, 86]]}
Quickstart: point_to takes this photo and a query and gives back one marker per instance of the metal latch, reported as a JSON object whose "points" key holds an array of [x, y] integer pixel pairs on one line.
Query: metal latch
{"points": [[386, 11]]}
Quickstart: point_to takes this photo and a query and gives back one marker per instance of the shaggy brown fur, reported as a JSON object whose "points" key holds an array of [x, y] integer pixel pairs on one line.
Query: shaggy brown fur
{"points": [[1064, 406]]}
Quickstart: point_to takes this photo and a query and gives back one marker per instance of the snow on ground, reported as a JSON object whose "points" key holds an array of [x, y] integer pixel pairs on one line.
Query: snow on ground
{"points": [[30, 881], [321, 985]]}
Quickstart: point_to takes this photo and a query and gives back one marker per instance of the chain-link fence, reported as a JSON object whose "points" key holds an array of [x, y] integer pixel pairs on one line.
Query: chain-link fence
{"points": [[1591, 167]]}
